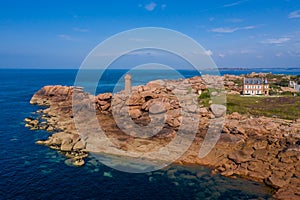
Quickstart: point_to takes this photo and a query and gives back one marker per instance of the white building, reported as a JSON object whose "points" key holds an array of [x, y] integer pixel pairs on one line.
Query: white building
{"points": [[294, 85], [255, 86]]}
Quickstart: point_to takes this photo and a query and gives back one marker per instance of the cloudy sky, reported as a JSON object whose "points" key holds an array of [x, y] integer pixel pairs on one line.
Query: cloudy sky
{"points": [[236, 33]]}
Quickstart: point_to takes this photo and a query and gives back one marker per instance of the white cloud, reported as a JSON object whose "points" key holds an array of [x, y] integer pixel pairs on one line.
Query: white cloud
{"points": [[234, 20], [222, 55], [276, 40], [211, 19], [204, 52], [209, 52], [295, 14], [234, 3], [248, 27], [80, 29], [246, 51], [224, 30], [294, 53], [65, 37], [150, 6], [241, 52], [231, 30]]}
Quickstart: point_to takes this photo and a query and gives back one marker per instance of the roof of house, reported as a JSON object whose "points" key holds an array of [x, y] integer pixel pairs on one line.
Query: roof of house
{"points": [[255, 81]]}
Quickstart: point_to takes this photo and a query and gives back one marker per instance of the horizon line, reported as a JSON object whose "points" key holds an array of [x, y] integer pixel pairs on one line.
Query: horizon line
{"points": [[221, 68]]}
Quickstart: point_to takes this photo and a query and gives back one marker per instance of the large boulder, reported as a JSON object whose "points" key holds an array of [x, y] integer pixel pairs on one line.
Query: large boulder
{"points": [[275, 181], [78, 162], [218, 110], [191, 108], [156, 84], [173, 118], [175, 122], [53, 92], [135, 100], [101, 102], [241, 156], [135, 113], [157, 108], [105, 107], [67, 144], [162, 102], [79, 146], [104, 96], [61, 135]]}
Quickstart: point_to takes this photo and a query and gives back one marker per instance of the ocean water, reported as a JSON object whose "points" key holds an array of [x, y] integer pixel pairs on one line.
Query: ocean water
{"points": [[30, 171]]}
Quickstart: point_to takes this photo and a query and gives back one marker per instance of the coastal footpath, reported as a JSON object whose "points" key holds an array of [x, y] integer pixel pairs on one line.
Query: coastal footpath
{"points": [[263, 149]]}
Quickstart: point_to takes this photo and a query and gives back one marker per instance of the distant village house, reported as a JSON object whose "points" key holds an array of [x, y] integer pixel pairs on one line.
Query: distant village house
{"points": [[294, 85], [255, 86]]}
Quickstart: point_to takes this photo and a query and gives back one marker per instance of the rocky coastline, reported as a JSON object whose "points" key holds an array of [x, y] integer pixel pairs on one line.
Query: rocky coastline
{"points": [[257, 148]]}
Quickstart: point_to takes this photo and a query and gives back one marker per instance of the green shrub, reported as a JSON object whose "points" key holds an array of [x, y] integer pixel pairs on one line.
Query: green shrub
{"points": [[204, 95], [284, 83], [287, 93], [238, 82]]}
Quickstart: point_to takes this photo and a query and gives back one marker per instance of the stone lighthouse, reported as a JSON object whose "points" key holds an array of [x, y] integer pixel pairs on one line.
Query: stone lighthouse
{"points": [[127, 84]]}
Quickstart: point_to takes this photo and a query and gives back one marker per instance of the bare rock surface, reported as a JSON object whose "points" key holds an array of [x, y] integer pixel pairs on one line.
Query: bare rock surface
{"points": [[262, 149]]}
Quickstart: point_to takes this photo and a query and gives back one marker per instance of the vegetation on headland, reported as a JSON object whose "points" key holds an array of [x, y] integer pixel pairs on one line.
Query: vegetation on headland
{"points": [[285, 107], [204, 99], [283, 102], [277, 81]]}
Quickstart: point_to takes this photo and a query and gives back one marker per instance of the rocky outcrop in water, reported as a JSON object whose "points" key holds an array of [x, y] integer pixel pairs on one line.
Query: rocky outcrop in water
{"points": [[263, 149], [57, 119]]}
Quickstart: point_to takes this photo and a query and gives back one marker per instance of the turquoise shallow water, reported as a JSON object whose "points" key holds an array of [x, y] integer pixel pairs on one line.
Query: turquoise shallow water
{"points": [[30, 171]]}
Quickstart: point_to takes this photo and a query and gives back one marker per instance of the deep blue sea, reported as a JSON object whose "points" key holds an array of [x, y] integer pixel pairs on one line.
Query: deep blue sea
{"points": [[30, 171]]}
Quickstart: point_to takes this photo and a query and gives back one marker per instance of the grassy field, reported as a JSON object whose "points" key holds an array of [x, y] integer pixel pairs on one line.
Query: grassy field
{"points": [[285, 107]]}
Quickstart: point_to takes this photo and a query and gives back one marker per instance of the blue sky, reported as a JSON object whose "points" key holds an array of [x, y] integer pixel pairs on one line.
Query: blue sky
{"points": [[236, 33]]}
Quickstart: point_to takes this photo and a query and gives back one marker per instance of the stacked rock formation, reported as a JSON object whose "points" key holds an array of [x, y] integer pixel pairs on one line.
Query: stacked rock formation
{"points": [[263, 149]]}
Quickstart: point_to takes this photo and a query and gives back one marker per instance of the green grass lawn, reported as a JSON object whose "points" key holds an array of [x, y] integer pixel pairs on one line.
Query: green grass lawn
{"points": [[285, 107]]}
